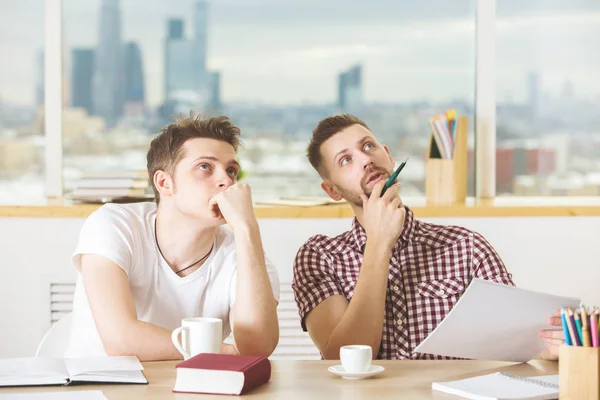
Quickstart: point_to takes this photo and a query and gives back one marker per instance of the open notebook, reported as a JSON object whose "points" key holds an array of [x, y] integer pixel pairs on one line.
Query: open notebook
{"points": [[500, 386], [36, 371]]}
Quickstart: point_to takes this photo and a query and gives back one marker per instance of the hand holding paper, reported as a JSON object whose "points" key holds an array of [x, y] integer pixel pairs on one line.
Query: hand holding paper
{"points": [[492, 321], [552, 337]]}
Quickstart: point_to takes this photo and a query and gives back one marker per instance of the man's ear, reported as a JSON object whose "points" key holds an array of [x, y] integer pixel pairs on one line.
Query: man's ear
{"points": [[387, 150], [331, 190], [163, 183]]}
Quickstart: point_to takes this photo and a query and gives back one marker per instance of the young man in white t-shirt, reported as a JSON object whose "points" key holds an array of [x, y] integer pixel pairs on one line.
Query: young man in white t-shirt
{"points": [[196, 252]]}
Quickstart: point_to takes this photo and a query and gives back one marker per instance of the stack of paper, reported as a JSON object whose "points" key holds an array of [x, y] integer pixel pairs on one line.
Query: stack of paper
{"points": [[112, 185]]}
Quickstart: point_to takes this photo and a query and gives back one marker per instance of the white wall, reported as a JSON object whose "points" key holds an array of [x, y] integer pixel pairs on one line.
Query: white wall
{"points": [[558, 255]]}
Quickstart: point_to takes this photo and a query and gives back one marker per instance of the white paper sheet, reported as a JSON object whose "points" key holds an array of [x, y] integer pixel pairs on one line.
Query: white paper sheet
{"points": [[492, 321], [77, 366], [62, 395], [11, 368]]}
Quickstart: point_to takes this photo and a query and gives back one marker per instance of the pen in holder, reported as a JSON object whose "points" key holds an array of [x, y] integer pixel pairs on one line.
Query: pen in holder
{"points": [[446, 177], [579, 372]]}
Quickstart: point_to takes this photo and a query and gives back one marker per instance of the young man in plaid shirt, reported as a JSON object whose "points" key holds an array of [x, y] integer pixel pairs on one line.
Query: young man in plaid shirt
{"points": [[391, 279]]}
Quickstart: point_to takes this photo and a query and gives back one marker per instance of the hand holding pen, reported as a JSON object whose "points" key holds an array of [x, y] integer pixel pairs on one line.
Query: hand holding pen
{"points": [[393, 177]]}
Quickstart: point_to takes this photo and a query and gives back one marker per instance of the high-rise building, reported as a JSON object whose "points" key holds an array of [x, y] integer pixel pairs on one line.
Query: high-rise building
{"points": [[215, 91], [202, 78], [108, 71], [175, 29], [134, 73], [179, 61], [134, 81], [350, 98], [82, 77], [187, 82]]}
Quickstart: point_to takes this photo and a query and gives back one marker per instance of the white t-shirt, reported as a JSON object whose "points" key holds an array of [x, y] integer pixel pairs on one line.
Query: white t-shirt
{"points": [[125, 235]]}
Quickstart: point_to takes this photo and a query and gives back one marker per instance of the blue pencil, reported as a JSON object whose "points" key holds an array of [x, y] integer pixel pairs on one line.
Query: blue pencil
{"points": [[578, 325], [573, 328], [454, 130], [565, 328]]}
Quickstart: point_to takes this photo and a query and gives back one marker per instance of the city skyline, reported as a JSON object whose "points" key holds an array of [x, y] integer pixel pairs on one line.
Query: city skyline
{"points": [[108, 79], [398, 58]]}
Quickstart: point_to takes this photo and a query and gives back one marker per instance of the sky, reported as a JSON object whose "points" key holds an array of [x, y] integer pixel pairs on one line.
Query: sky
{"points": [[290, 52]]}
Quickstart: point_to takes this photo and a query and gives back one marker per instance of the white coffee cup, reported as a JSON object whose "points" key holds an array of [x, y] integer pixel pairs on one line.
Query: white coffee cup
{"points": [[198, 335], [356, 358]]}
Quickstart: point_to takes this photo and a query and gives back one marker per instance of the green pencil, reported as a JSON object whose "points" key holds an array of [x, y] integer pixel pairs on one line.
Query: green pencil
{"points": [[390, 181]]}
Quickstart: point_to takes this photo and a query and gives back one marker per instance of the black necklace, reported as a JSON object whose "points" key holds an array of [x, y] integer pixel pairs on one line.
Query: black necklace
{"points": [[189, 266]]}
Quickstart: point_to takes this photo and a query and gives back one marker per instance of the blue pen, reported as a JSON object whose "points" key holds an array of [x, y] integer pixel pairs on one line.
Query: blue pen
{"points": [[565, 328]]}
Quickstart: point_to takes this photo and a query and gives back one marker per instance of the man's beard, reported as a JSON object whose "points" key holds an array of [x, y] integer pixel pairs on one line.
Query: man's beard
{"points": [[353, 197], [363, 182]]}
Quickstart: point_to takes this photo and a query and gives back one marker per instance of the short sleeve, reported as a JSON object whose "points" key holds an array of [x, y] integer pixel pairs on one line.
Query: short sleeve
{"points": [[107, 232], [273, 278], [313, 280]]}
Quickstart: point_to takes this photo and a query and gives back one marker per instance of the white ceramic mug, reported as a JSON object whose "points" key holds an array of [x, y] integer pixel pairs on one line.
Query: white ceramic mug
{"points": [[198, 335], [356, 358]]}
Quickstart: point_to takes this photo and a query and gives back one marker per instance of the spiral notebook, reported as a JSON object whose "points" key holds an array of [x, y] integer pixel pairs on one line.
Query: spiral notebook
{"points": [[500, 386]]}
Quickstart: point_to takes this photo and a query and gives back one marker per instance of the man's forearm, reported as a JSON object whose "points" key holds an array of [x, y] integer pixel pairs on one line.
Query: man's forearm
{"points": [[149, 342], [362, 322], [254, 314], [141, 339]]}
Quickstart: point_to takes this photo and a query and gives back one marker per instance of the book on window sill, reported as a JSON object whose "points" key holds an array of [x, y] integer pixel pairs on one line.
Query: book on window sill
{"points": [[97, 193], [112, 183], [306, 201], [221, 374], [104, 200], [132, 174], [41, 371]]}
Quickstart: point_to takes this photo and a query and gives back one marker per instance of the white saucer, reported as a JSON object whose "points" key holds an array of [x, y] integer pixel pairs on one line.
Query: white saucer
{"points": [[339, 371]]}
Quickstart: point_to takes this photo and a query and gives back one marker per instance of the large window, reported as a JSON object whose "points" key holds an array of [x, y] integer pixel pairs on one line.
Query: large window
{"points": [[548, 97], [21, 102], [276, 67]]}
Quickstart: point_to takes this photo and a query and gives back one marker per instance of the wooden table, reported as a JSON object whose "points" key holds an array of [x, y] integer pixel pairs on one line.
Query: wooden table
{"points": [[311, 380]]}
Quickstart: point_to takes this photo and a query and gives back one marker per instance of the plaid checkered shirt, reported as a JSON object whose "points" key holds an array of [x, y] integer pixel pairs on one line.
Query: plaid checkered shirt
{"points": [[429, 268]]}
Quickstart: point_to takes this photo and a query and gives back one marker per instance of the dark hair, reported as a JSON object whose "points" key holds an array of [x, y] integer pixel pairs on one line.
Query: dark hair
{"points": [[326, 129], [166, 149]]}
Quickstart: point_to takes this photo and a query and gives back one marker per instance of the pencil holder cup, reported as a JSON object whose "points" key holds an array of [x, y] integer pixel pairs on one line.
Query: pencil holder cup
{"points": [[440, 182], [446, 178], [579, 373]]}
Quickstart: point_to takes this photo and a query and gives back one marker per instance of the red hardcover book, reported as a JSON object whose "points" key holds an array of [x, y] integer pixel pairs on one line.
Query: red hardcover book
{"points": [[221, 374]]}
